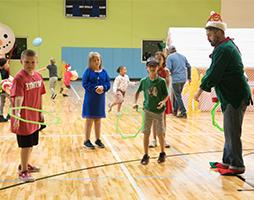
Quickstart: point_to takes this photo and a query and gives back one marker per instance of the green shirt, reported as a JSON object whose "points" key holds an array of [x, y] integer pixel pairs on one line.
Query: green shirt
{"points": [[227, 76], [154, 92]]}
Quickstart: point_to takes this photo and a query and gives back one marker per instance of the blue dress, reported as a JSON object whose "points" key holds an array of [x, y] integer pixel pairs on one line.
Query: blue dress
{"points": [[94, 103]]}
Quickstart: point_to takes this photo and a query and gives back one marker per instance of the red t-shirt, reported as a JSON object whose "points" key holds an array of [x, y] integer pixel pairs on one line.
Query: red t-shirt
{"points": [[67, 78], [31, 88]]}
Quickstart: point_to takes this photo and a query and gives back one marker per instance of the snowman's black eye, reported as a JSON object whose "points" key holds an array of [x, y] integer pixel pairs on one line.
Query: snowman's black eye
{"points": [[5, 36]]}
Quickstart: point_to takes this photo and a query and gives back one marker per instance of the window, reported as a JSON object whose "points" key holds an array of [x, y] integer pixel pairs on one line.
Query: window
{"points": [[19, 46], [150, 47]]}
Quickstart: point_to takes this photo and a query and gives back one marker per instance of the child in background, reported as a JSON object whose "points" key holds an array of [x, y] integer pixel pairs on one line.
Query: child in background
{"points": [[163, 72], [96, 83], [155, 96], [4, 74], [27, 90], [120, 86], [52, 76]]}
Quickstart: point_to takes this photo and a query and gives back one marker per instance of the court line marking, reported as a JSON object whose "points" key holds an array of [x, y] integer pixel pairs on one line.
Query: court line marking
{"points": [[106, 165], [100, 178], [245, 190], [75, 92], [124, 169], [45, 135], [245, 181]]}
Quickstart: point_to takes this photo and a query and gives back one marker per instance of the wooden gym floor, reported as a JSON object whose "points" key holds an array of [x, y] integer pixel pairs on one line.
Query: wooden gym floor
{"points": [[69, 171]]}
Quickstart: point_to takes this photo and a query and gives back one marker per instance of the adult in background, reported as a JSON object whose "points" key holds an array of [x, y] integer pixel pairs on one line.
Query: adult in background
{"points": [[52, 68], [180, 71]]}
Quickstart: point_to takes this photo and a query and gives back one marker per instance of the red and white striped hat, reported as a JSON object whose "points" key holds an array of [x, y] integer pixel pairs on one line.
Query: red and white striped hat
{"points": [[215, 21]]}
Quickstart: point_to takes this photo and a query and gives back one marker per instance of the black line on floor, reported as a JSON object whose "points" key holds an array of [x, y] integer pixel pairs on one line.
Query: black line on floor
{"points": [[245, 181], [245, 190], [112, 164]]}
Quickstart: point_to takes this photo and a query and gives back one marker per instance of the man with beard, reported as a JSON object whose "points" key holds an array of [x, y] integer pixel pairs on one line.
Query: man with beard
{"points": [[227, 76]]}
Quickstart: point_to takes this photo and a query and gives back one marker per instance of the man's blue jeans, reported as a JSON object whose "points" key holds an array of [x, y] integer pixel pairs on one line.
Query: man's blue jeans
{"points": [[178, 102], [233, 119]]}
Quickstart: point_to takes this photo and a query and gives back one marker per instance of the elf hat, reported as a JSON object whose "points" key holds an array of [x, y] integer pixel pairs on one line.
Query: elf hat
{"points": [[215, 21]]}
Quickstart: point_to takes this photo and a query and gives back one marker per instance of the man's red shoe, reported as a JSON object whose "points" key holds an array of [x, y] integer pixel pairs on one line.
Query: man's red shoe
{"points": [[217, 165], [230, 172]]}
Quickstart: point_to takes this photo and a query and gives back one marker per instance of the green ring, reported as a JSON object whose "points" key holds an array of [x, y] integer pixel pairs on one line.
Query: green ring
{"points": [[123, 136], [215, 124], [56, 121]]}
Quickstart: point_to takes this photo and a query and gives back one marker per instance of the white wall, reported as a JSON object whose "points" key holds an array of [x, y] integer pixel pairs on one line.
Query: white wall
{"points": [[193, 43], [238, 13]]}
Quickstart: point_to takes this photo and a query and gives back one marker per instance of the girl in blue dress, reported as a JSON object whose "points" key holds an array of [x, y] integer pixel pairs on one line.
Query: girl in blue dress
{"points": [[96, 83]]}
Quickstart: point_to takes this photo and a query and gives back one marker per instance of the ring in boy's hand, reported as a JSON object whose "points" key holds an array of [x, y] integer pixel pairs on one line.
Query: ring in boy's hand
{"points": [[56, 120]]}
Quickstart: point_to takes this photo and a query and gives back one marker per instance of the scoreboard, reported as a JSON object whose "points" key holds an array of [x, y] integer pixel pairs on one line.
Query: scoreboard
{"points": [[85, 8]]}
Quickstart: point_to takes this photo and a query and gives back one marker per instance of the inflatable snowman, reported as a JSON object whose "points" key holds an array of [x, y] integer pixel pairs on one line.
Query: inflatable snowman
{"points": [[7, 40]]}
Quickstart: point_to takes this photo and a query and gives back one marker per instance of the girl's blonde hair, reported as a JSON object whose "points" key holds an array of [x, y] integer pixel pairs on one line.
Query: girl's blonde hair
{"points": [[91, 55]]}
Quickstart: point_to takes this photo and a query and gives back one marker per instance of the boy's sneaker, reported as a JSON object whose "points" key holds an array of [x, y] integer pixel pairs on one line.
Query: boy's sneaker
{"points": [[88, 144], [153, 144], [145, 159], [26, 176], [99, 143], [31, 169], [162, 157], [2, 119], [42, 127]]}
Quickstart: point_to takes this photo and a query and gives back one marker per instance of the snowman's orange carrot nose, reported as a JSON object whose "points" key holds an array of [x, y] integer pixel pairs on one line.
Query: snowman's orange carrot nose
{"points": [[1, 42]]}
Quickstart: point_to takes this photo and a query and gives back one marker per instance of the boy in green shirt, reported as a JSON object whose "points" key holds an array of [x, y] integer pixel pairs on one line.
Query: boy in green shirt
{"points": [[155, 96]]}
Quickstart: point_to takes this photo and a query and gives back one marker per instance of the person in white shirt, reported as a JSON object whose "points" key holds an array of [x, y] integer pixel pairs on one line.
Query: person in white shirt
{"points": [[120, 86]]}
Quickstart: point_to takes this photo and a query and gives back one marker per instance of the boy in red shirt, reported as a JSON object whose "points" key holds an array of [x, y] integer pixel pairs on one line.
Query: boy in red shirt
{"points": [[27, 90]]}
